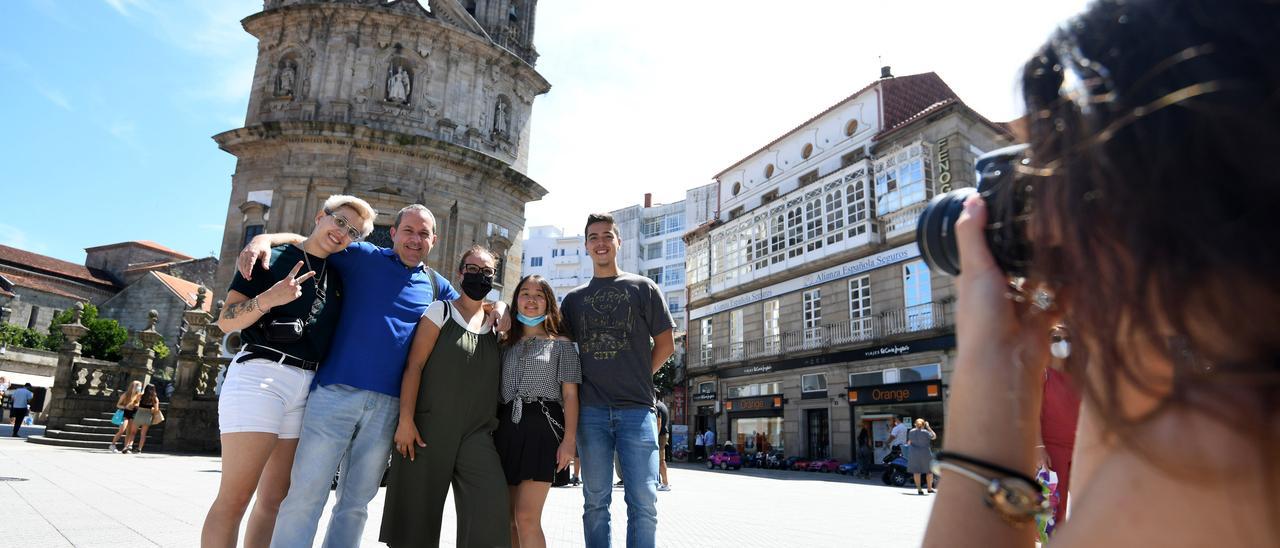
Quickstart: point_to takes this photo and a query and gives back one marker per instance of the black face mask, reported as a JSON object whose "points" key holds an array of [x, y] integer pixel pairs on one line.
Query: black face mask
{"points": [[476, 285]]}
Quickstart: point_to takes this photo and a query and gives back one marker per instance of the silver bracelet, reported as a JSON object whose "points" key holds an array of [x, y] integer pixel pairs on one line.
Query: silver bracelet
{"points": [[1014, 499]]}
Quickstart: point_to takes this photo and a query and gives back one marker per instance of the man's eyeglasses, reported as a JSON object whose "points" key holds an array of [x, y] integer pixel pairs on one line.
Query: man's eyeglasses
{"points": [[477, 269], [344, 225]]}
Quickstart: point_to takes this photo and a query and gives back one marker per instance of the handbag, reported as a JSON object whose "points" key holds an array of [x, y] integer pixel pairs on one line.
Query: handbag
{"points": [[156, 416], [118, 418]]}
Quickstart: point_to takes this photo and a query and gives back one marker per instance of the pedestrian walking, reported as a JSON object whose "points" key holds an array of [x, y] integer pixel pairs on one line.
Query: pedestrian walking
{"points": [[444, 435], [126, 407], [538, 421], [865, 453], [147, 415], [664, 438], [19, 406], [699, 446], [1059, 415], [920, 457]]}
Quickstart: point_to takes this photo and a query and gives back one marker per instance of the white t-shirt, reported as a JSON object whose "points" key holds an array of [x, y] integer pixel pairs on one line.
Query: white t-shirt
{"points": [[899, 434], [435, 313]]}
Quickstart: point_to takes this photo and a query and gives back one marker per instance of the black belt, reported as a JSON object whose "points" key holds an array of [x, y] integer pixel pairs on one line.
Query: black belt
{"points": [[259, 352]]}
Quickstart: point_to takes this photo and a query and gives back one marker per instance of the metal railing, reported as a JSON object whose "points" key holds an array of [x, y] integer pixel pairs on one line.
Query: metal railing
{"points": [[888, 323]]}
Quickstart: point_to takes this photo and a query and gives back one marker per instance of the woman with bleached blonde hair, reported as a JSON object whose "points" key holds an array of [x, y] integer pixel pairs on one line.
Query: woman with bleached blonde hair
{"points": [[286, 314]]}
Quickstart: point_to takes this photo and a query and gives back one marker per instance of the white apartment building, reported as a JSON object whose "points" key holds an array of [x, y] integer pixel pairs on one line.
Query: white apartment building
{"points": [[811, 313], [560, 259]]}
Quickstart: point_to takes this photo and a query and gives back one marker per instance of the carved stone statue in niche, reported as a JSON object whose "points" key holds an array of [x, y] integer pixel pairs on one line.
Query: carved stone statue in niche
{"points": [[286, 78], [502, 116], [399, 85]]}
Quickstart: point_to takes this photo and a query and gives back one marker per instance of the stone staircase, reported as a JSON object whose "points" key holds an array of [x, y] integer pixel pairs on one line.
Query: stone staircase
{"points": [[96, 433]]}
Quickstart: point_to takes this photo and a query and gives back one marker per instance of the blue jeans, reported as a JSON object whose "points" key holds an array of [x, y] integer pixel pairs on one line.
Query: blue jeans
{"points": [[343, 425], [633, 434]]}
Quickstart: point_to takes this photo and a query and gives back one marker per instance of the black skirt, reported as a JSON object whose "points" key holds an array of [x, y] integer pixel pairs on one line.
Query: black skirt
{"points": [[528, 449]]}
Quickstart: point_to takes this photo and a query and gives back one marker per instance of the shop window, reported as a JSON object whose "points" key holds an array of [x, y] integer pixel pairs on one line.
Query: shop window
{"points": [[816, 382], [535, 261], [920, 373], [874, 378]]}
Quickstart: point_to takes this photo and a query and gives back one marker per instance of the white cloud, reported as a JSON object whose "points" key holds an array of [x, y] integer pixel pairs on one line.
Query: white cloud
{"points": [[13, 236], [56, 97], [123, 6]]}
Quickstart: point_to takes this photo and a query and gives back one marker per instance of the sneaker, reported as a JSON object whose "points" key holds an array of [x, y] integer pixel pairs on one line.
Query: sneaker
{"points": [[919, 492], [619, 484], [127, 450], [664, 487], [114, 449], [576, 481]]}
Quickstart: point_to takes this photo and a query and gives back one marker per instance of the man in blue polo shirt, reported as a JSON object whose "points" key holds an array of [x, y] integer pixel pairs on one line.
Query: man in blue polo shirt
{"points": [[352, 412]]}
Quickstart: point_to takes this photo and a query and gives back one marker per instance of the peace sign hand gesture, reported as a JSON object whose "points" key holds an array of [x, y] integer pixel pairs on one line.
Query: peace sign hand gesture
{"points": [[285, 290]]}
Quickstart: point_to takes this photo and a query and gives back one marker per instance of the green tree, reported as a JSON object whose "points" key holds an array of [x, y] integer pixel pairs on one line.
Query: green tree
{"points": [[12, 335], [665, 379], [103, 341]]}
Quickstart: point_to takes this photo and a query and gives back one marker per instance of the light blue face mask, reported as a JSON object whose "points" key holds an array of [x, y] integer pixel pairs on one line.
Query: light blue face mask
{"points": [[531, 321]]}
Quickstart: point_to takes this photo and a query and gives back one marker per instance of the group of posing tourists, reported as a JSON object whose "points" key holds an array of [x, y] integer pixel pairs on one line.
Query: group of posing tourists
{"points": [[355, 354]]}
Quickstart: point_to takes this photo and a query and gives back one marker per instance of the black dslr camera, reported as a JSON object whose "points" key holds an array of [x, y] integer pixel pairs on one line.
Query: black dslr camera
{"points": [[1008, 209]]}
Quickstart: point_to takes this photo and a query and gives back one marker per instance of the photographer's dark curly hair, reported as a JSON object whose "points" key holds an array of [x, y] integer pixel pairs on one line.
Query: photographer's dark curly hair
{"points": [[551, 324], [1154, 146]]}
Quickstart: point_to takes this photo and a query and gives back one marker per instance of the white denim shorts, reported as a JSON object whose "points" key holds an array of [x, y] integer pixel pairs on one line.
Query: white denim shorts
{"points": [[263, 396]]}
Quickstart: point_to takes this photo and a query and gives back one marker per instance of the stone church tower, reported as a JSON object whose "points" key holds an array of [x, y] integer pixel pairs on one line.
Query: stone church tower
{"points": [[394, 101]]}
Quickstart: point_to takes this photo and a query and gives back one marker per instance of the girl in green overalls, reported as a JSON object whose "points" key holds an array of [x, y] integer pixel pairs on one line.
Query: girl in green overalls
{"points": [[448, 403]]}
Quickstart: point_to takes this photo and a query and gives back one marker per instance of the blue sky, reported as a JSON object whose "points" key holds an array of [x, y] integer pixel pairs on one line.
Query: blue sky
{"points": [[109, 105]]}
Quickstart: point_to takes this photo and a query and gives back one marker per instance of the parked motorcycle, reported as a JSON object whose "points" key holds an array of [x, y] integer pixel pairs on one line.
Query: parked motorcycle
{"points": [[895, 471], [774, 460]]}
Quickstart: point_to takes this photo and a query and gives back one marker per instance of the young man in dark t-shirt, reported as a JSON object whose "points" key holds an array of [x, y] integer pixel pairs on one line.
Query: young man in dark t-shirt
{"points": [[623, 330]]}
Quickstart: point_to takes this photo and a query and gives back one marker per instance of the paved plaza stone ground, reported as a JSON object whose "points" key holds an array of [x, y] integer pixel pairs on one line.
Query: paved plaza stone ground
{"points": [[72, 497]]}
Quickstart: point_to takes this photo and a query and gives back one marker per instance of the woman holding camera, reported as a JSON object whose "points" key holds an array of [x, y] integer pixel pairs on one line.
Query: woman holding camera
{"points": [[448, 395], [286, 316], [1151, 186]]}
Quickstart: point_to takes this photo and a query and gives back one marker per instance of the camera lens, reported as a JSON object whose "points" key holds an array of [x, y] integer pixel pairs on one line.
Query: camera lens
{"points": [[1007, 207], [935, 231]]}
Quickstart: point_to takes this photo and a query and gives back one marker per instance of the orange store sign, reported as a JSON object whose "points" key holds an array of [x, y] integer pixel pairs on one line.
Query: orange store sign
{"points": [[896, 393]]}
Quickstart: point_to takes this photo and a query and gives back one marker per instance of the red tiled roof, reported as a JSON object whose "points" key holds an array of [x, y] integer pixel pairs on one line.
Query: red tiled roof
{"points": [[39, 283], [188, 291], [142, 243], [27, 260], [904, 99]]}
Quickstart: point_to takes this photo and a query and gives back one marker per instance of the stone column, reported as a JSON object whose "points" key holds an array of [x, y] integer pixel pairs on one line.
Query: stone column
{"points": [[58, 410], [186, 376], [137, 356]]}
